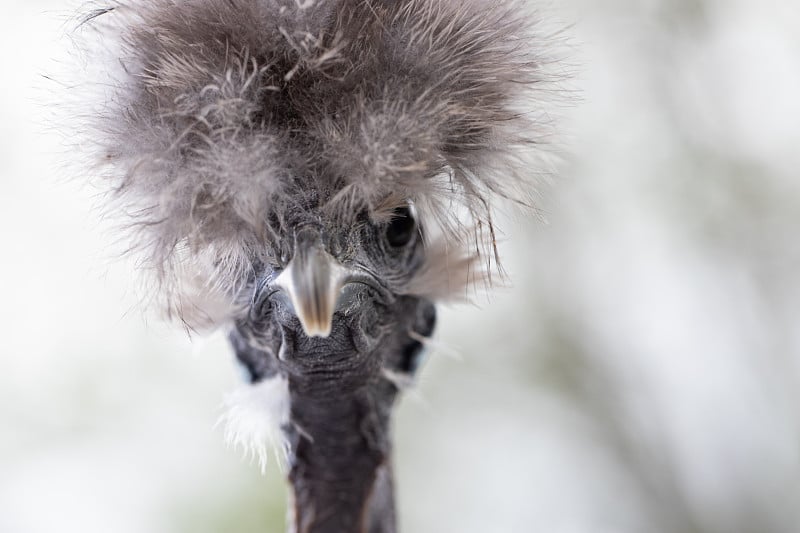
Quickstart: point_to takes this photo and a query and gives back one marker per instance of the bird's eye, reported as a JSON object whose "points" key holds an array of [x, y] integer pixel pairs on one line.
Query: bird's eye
{"points": [[401, 228]]}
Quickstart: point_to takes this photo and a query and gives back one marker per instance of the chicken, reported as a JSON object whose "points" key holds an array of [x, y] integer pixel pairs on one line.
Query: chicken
{"points": [[316, 176]]}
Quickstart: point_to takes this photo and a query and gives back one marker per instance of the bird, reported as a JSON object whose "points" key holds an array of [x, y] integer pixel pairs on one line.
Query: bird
{"points": [[315, 177]]}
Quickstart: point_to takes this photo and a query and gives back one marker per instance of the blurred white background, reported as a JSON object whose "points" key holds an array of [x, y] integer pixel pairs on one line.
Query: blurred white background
{"points": [[641, 375]]}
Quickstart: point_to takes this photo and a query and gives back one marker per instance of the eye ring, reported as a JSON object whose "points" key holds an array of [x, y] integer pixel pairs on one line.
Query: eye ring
{"points": [[402, 227]]}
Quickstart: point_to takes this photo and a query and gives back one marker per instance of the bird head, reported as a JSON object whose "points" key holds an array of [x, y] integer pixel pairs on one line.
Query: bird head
{"points": [[287, 156], [353, 270], [342, 288]]}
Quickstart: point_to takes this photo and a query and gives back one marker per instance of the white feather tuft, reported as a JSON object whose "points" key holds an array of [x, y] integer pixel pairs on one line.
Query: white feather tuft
{"points": [[254, 417]]}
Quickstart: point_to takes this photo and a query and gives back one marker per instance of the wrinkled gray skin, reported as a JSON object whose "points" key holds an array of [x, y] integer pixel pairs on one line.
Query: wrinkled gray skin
{"points": [[341, 400]]}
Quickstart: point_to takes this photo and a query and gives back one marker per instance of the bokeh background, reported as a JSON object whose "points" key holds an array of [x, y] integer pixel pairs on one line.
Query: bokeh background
{"points": [[639, 375]]}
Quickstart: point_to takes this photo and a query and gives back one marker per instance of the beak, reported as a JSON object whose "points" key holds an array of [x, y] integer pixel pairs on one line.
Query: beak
{"points": [[313, 280]]}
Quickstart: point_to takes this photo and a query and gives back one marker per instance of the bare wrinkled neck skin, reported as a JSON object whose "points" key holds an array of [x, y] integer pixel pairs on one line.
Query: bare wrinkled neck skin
{"points": [[342, 391]]}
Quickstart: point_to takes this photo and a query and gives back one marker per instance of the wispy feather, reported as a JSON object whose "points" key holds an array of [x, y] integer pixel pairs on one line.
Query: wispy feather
{"points": [[227, 118]]}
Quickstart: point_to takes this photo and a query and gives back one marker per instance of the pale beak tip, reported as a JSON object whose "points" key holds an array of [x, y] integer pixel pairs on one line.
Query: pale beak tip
{"points": [[316, 329]]}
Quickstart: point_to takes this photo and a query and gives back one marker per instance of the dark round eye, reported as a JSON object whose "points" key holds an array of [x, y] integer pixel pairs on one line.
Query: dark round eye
{"points": [[401, 228]]}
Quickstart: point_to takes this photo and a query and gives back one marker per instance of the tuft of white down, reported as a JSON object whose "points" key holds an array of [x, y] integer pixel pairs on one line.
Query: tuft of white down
{"points": [[253, 419]]}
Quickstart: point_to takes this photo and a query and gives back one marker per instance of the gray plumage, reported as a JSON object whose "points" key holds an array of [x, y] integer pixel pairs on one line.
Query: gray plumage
{"points": [[230, 119], [317, 175]]}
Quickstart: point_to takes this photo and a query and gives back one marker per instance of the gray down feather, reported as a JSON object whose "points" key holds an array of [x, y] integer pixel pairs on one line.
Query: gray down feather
{"points": [[227, 118]]}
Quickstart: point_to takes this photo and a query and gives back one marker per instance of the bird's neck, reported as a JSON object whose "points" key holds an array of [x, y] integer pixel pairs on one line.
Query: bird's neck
{"points": [[342, 390], [341, 473]]}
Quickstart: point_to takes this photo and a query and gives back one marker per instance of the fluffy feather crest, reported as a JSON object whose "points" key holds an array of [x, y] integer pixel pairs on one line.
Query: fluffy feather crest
{"points": [[227, 116]]}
